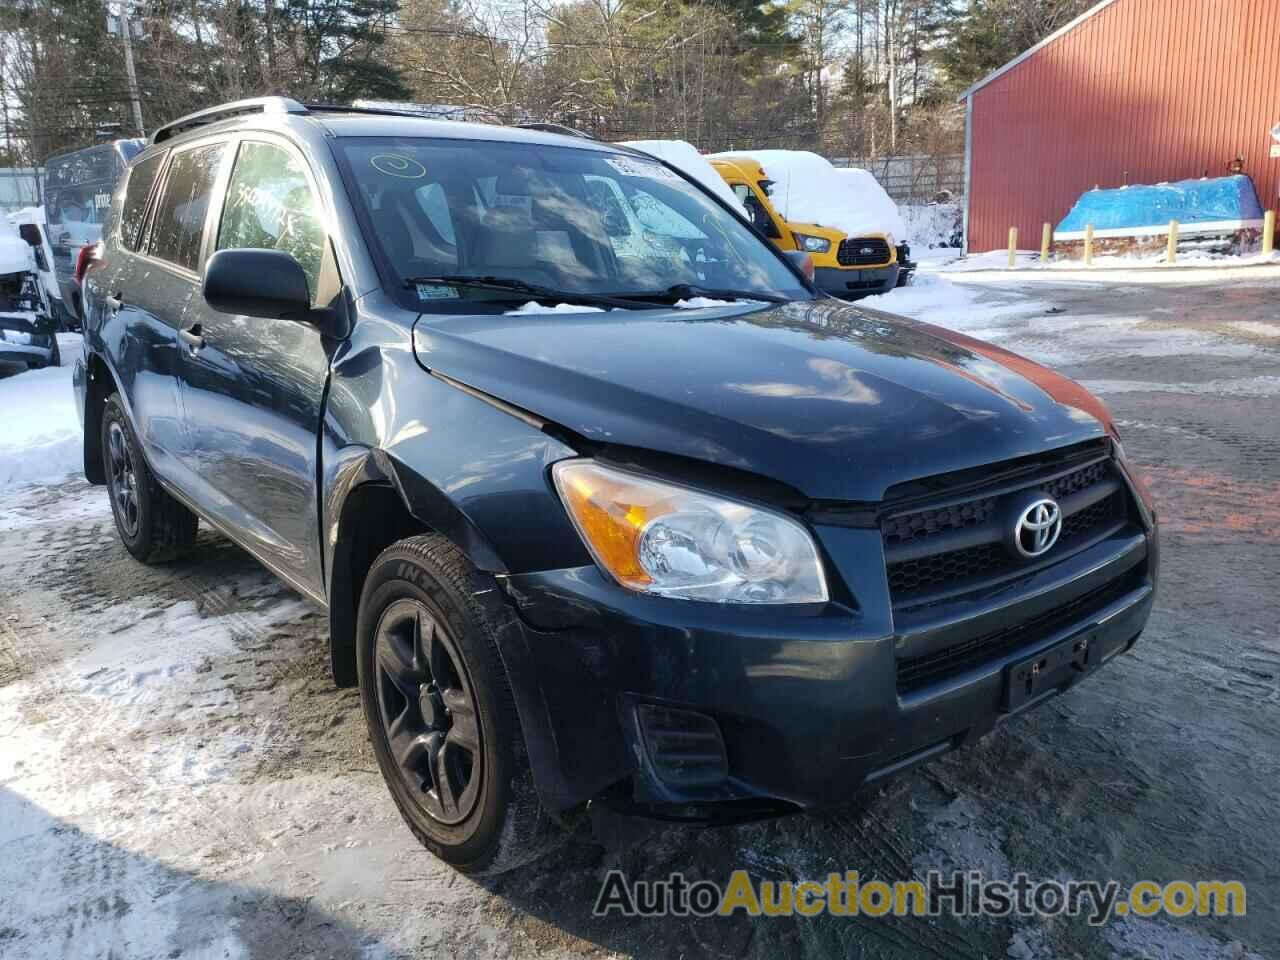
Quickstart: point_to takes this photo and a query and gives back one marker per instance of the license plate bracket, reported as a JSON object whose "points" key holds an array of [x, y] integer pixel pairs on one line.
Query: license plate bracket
{"points": [[1055, 668]]}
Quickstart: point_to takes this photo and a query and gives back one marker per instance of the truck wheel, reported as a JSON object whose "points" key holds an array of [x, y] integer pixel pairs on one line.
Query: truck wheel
{"points": [[441, 714], [153, 526]]}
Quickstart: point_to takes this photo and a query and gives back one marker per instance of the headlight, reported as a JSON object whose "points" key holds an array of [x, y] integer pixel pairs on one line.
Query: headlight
{"points": [[659, 538], [888, 238], [812, 244]]}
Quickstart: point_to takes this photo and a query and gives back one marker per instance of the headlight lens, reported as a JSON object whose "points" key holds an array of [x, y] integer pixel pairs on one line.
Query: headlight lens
{"points": [[812, 244], [888, 238], [663, 539]]}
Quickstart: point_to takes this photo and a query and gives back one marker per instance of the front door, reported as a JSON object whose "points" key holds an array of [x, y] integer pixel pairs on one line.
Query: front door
{"points": [[252, 388]]}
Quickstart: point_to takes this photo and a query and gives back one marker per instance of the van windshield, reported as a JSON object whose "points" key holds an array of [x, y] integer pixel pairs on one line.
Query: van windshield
{"points": [[581, 221]]}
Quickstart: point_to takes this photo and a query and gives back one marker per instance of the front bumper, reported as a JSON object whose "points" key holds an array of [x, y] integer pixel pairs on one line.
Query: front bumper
{"points": [[850, 283], [809, 705]]}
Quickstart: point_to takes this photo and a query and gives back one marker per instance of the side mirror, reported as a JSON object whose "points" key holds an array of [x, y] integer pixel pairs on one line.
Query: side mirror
{"points": [[257, 283]]}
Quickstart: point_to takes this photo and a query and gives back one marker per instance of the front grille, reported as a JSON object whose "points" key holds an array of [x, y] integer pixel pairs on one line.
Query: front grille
{"points": [[959, 544], [917, 672], [866, 252]]}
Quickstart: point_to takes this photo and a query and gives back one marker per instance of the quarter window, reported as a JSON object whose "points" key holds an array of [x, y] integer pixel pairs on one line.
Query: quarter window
{"points": [[141, 178], [179, 222], [270, 205]]}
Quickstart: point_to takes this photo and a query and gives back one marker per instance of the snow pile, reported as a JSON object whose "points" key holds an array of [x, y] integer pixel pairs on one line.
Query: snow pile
{"points": [[685, 157], [40, 437], [533, 307], [808, 189], [933, 225], [873, 201], [15, 255]]}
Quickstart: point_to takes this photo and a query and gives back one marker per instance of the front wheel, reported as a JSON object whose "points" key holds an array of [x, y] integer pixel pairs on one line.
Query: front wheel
{"points": [[441, 714]]}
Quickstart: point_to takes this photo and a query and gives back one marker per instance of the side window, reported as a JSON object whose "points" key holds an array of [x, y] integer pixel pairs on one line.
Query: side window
{"points": [[270, 206], [141, 178], [178, 226], [760, 218]]}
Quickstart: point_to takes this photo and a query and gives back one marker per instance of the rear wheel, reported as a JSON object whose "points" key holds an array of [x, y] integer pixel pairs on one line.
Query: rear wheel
{"points": [[153, 526], [441, 715]]}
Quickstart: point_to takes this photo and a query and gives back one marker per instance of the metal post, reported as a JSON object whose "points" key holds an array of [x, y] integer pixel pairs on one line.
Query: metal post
{"points": [[1046, 240], [1013, 247], [1088, 244], [1171, 255], [127, 35], [1268, 233]]}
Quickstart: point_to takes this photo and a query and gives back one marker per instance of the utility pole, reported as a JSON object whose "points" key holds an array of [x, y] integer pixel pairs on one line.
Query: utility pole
{"points": [[126, 33]]}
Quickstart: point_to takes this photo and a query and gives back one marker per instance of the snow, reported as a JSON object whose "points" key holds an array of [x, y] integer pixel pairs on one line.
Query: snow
{"points": [[690, 303], [932, 226], [533, 307], [873, 201], [15, 255], [808, 189], [40, 436], [685, 157], [1213, 266]]}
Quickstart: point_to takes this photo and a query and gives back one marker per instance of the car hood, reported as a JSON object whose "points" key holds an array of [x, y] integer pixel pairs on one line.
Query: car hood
{"points": [[837, 401]]}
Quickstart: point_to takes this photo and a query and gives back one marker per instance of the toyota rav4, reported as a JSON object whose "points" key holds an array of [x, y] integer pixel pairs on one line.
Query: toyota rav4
{"points": [[606, 503]]}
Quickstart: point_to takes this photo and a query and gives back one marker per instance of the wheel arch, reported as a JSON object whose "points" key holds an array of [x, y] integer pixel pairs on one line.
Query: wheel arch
{"points": [[100, 383], [376, 501]]}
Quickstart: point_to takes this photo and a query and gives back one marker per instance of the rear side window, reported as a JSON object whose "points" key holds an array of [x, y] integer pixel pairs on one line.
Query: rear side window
{"points": [[141, 179], [178, 227]]}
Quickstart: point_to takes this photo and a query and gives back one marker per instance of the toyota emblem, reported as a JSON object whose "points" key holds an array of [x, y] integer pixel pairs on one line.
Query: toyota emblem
{"points": [[1038, 528]]}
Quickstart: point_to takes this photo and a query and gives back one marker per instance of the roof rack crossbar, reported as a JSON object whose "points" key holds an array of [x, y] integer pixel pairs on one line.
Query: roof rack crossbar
{"points": [[227, 111]]}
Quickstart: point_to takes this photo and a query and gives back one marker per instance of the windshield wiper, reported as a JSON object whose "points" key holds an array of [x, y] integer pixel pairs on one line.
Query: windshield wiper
{"points": [[533, 291], [688, 291]]}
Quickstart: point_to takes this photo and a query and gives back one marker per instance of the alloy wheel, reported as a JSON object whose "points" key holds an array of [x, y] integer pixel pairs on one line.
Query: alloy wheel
{"points": [[428, 712], [123, 479]]}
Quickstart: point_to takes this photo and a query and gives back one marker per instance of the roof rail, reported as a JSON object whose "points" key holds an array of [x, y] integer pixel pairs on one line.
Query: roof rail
{"points": [[555, 128], [226, 111]]}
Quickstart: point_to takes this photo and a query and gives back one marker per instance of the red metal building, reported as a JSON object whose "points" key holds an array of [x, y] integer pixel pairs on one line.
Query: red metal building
{"points": [[1132, 91]]}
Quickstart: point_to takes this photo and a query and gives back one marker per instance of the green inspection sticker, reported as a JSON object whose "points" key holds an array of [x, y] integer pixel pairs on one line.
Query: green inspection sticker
{"points": [[435, 291]]}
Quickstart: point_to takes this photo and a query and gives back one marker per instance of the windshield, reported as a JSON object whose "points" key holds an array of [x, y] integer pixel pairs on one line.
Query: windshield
{"points": [[581, 222]]}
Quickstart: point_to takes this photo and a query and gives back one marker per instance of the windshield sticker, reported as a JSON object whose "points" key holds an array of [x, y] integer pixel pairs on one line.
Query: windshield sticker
{"points": [[435, 291], [398, 165], [634, 167]]}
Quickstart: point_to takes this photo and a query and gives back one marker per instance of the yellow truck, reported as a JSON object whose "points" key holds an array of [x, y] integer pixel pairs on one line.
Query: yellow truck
{"points": [[844, 266]]}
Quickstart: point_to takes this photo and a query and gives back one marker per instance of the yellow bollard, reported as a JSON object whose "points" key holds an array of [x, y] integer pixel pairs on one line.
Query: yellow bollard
{"points": [[1268, 233], [1013, 247], [1046, 238], [1171, 255], [1088, 244]]}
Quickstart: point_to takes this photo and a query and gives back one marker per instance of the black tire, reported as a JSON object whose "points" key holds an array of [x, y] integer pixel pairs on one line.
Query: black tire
{"points": [[153, 526], [418, 600]]}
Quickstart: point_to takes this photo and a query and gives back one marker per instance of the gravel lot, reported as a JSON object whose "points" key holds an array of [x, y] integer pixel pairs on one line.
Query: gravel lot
{"points": [[178, 777]]}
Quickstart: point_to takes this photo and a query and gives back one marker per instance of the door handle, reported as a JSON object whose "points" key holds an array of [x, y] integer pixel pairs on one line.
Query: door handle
{"points": [[113, 303], [191, 336]]}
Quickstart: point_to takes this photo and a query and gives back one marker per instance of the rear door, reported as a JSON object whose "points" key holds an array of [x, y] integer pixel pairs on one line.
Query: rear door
{"points": [[146, 289], [253, 388]]}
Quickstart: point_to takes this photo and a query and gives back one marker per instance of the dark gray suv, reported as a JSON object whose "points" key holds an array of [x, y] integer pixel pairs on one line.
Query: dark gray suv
{"points": [[605, 502]]}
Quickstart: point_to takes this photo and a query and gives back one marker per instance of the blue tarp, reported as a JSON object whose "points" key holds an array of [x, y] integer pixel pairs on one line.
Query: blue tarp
{"points": [[1187, 201]]}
